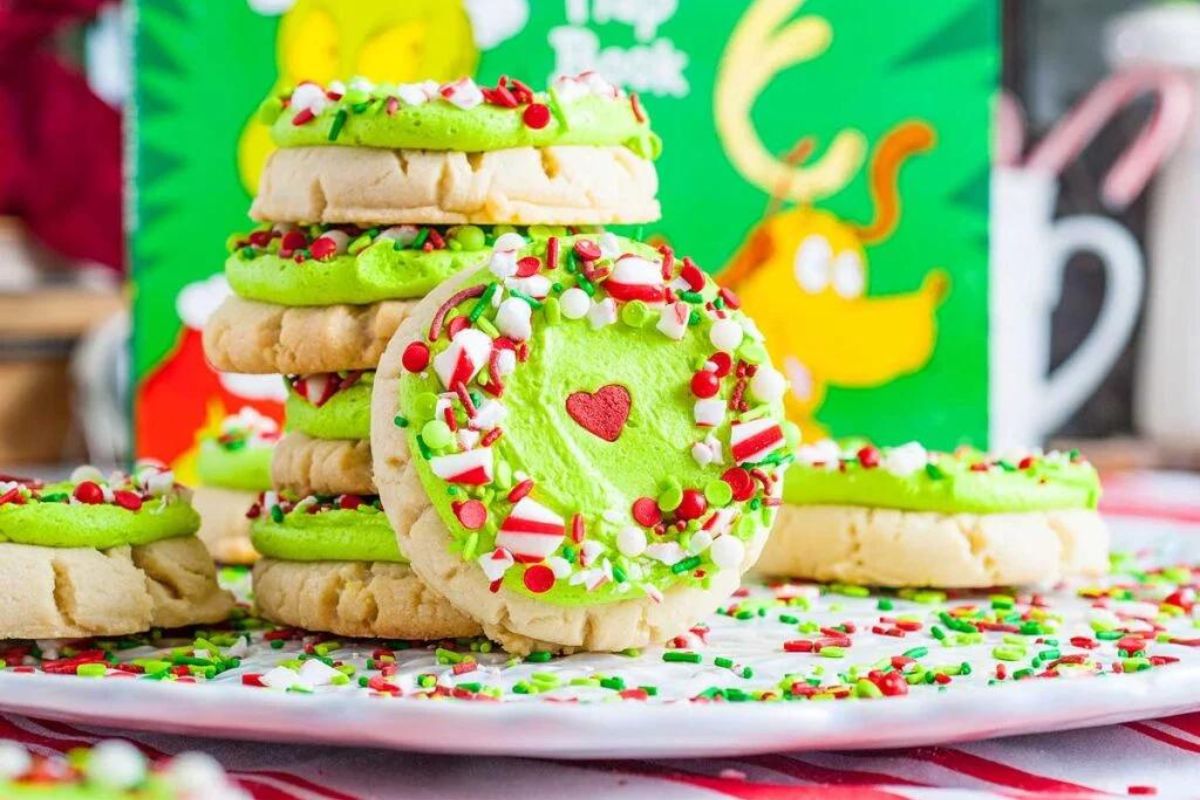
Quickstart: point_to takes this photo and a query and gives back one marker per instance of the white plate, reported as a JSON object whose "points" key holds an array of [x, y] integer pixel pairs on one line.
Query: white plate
{"points": [[603, 726]]}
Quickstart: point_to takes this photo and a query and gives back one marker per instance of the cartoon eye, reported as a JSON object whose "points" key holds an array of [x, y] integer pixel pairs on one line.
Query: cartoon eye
{"points": [[848, 275], [812, 263]]}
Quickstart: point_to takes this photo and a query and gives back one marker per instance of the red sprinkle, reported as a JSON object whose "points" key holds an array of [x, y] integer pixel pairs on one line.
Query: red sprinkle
{"points": [[416, 357], [292, 241], [89, 492], [587, 249], [539, 578], [730, 298], [490, 437], [577, 528], [471, 513], [869, 457], [552, 252], [536, 115], [529, 265], [740, 481], [705, 384], [520, 490], [693, 505], [692, 274], [798, 646], [723, 363], [668, 262], [306, 115], [457, 325], [349, 502], [128, 500], [322, 248], [636, 105], [646, 512], [435, 325]]}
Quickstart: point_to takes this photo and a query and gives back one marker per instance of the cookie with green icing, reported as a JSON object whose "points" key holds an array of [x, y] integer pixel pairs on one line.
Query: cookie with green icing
{"points": [[460, 115], [332, 563], [331, 405], [124, 546], [323, 528], [596, 438], [320, 265], [239, 455], [904, 516], [382, 155], [95, 510]]}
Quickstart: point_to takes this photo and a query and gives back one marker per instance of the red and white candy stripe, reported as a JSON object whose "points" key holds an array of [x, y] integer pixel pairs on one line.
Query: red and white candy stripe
{"points": [[467, 354], [754, 440], [531, 532], [635, 278], [474, 467]]}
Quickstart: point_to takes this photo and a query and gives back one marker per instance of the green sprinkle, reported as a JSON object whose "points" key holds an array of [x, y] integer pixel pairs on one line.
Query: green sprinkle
{"points": [[723, 662], [534, 304], [277, 514], [553, 310], [885, 604], [614, 683], [339, 119], [539, 656], [718, 493], [832, 651], [401, 421], [437, 434], [684, 657], [934, 471], [916, 652], [418, 242], [864, 688], [685, 565], [1008, 653], [92, 670], [691, 297]]}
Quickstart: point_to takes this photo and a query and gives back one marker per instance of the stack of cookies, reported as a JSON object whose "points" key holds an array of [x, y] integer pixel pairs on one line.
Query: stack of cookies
{"points": [[376, 196]]}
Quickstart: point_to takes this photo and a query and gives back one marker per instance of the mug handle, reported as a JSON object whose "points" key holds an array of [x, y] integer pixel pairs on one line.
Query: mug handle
{"points": [[1077, 377]]}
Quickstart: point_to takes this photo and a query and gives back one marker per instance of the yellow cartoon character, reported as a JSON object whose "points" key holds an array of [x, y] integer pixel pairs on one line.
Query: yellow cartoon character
{"points": [[802, 272], [383, 40]]}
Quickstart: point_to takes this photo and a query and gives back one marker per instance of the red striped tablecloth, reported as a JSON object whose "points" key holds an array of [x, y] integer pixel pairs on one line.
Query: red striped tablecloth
{"points": [[1152, 757]]}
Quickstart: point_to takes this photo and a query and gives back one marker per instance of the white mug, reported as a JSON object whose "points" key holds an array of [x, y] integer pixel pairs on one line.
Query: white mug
{"points": [[1029, 249]]}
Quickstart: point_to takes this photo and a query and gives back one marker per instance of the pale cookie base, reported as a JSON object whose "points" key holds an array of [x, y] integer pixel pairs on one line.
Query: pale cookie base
{"points": [[525, 185], [247, 336], [305, 465], [224, 528], [56, 592], [354, 598], [520, 624], [887, 547]]}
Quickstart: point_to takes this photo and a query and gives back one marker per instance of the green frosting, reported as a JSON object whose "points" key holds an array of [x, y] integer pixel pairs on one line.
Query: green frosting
{"points": [[361, 534], [346, 415], [578, 471], [372, 269], [247, 467], [361, 119], [946, 483], [48, 518]]}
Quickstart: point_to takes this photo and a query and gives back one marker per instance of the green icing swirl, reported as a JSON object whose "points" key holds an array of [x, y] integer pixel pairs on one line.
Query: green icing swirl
{"points": [[346, 415], [373, 269], [55, 522], [948, 485], [652, 457], [361, 534], [360, 119], [247, 468]]}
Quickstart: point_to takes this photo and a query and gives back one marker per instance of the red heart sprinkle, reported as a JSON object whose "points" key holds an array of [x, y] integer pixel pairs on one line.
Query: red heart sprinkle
{"points": [[529, 265], [89, 492], [740, 481], [127, 500], [471, 513], [602, 413]]}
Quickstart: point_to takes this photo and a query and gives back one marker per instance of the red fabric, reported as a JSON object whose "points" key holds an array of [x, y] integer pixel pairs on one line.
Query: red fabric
{"points": [[60, 145]]}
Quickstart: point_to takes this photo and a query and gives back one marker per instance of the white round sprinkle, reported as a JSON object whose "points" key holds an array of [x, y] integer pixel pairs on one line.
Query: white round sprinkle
{"points": [[767, 385], [116, 765], [725, 335], [727, 552], [15, 760], [631, 542], [86, 472], [194, 773], [509, 241], [574, 303]]}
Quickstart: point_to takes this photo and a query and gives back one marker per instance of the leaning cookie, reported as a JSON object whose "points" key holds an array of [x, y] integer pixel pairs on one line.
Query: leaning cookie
{"points": [[596, 442], [580, 153], [233, 467], [331, 564], [103, 556], [906, 517]]}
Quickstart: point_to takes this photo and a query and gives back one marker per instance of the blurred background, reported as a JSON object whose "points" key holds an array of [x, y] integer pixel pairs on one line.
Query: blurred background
{"points": [[1051, 227]]}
